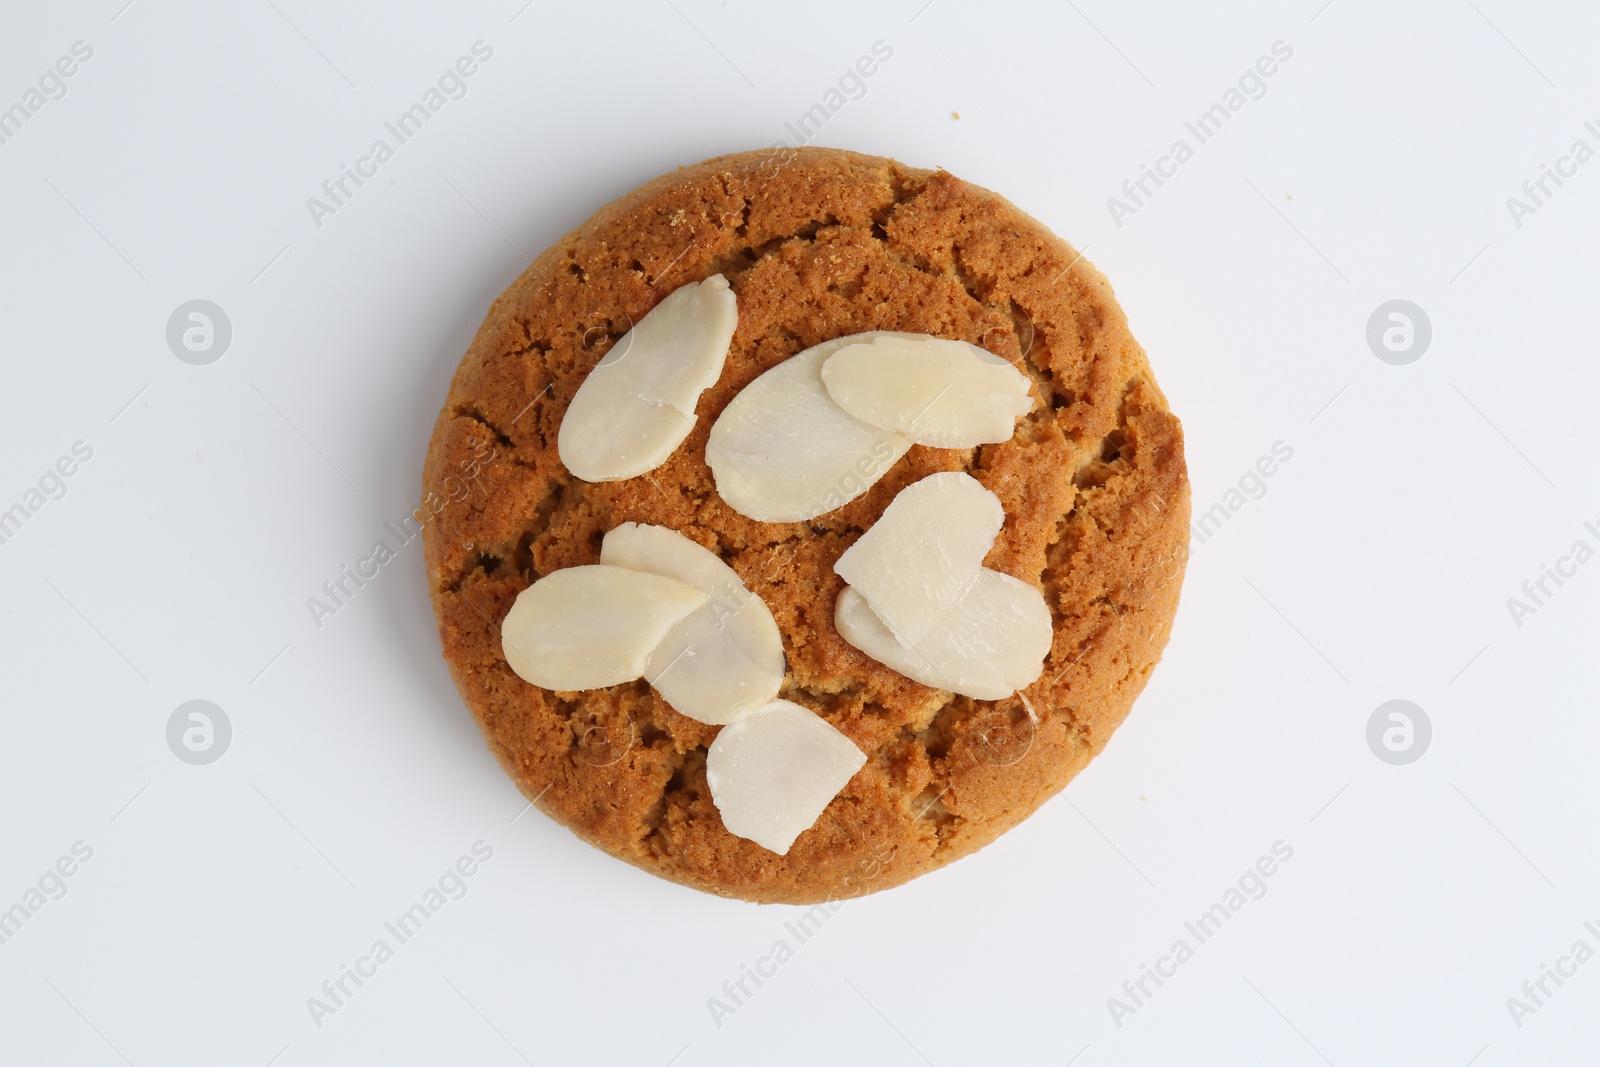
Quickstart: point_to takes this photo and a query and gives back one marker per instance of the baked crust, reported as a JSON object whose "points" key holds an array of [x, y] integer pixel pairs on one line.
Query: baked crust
{"points": [[817, 243]]}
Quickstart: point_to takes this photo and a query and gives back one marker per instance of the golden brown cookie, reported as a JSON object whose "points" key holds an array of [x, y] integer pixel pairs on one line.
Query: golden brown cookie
{"points": [[817, 243]]}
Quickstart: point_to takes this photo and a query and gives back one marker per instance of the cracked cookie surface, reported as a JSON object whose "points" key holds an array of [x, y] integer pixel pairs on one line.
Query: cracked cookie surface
{"points": [[817, 243]]}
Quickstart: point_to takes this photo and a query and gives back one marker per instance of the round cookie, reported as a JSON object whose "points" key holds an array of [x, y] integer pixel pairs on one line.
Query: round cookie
{"points": [[817, 243]]}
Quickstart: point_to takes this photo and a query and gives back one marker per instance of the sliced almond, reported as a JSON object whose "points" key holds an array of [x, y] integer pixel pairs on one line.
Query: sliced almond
{"points": [[637, 404], [774, 770], [590, 627], [991, 644], [924, 552], [784, 451], [934, 391], [725, 657], [676, 352], [610, 433]]}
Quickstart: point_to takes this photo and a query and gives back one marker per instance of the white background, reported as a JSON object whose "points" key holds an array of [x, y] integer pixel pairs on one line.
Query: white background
{"points": [[1376, 566]]}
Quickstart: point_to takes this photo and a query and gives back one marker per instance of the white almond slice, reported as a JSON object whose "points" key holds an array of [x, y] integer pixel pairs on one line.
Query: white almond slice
{"points": [[991, 644], [724, 658], [774, 770], [783, 451], [676, 351], [590, 627], [924, 552], [662, 551], [609, 433], [935, 391], [702, 673], [637, 405]]}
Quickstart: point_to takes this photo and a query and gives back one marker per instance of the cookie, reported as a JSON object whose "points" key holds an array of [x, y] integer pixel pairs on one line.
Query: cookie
{"points": [[817, 244]]}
